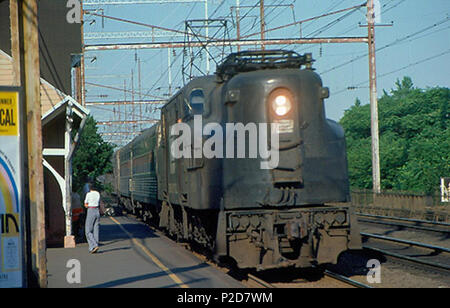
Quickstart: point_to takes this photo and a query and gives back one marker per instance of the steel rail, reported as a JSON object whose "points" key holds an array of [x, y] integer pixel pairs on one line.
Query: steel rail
{"points": [[436, 223], [435, 265], [405, 242], [394, 224], [327, 273], [260, 281], [346, 280]]}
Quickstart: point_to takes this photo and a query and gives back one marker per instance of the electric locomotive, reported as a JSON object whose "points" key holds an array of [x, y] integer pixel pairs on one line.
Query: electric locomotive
{"points": [[261, 215]]}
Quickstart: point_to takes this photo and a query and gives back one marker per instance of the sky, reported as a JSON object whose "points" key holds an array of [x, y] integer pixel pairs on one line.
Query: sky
{"points": [[416, 44]]}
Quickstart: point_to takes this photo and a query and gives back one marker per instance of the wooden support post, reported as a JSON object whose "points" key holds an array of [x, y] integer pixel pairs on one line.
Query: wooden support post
{"points": [[30, 75], [69, 239], [15, 42]]}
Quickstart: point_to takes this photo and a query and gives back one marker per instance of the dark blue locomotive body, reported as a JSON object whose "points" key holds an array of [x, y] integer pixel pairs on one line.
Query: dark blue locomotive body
{"points": [[234, 190]]}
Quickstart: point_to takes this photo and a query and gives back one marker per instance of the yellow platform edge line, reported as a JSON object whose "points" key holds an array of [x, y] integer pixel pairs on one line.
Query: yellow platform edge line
{"points": [[154, 259]]}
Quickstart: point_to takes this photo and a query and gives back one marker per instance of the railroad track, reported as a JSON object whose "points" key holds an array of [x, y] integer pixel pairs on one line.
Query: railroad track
{"points": [[252, 280], [419, 225], [327, 273], [261, 283], [436, 250], [399, 222]]}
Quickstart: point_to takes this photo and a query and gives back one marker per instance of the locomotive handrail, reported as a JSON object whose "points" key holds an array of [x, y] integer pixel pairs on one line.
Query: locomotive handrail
{"points": [[247, 61]]}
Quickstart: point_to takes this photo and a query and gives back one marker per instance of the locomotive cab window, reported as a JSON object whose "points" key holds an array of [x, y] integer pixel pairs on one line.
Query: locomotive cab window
{"points": [[197, 101]]}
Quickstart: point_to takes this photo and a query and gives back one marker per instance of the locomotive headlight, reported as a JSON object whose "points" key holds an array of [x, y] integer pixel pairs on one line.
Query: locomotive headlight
{"points": [[281, 105], [280, 102]]}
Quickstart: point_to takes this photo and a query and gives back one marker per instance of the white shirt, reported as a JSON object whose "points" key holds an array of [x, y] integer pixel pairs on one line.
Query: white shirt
{"points": [[92, 199]]}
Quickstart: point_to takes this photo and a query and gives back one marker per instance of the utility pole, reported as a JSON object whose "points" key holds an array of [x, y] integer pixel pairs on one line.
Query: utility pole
{"points": [[373, 98], [140, 88], [124, 96], [83, 66], [238, 24], [30, 76], [207, 35], [263, 25], [169, 65], [132, 99]]}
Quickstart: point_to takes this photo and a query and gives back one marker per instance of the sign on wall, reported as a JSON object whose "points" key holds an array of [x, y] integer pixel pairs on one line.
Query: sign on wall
{"points": [[10, 192]]}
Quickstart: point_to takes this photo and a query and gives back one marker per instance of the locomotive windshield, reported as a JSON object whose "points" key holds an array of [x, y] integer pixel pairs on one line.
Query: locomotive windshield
{"points": [[196, 100]]}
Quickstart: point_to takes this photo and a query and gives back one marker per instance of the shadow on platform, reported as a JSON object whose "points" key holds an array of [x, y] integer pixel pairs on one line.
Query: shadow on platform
{"points": [[128, 280]]}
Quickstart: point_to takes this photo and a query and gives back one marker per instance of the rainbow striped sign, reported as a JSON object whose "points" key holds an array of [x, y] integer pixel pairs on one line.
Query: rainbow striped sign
{"points": [[11, 275], [9, 197]]}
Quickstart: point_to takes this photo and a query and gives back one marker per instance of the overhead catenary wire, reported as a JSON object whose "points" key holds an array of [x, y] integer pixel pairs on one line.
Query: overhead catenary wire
{"points": [[384, 9], [123, 90], [393, 43], [155, 79], [140, 117], [144, 24], [245, 15], [178, 27], [379, 76], [147, 94], [306, 20]]}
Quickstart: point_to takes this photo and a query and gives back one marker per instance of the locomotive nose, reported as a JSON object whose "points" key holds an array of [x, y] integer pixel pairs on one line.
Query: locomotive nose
{"points": [[283, 110]]}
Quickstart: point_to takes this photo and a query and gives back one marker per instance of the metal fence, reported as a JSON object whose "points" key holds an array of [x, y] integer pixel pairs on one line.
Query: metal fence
{"points": [[401, 204]]}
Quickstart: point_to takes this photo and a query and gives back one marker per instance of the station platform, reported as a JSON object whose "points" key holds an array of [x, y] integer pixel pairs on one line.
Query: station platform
{"points": [[132, 255]]}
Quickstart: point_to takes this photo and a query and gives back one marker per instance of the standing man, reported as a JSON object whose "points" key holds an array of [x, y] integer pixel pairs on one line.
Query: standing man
{"points": [[92, 203]]}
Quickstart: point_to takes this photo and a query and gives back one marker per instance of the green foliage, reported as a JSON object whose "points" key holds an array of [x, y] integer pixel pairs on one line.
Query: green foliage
{"points": [[92, 157], [414, 139]]}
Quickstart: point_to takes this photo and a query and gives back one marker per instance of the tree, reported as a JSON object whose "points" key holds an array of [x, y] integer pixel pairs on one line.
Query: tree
{"points": [[92, 157], [414, 139]]}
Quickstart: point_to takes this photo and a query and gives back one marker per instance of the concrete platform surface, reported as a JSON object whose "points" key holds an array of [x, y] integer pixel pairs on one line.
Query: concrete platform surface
{"points": [[131, 255]]}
